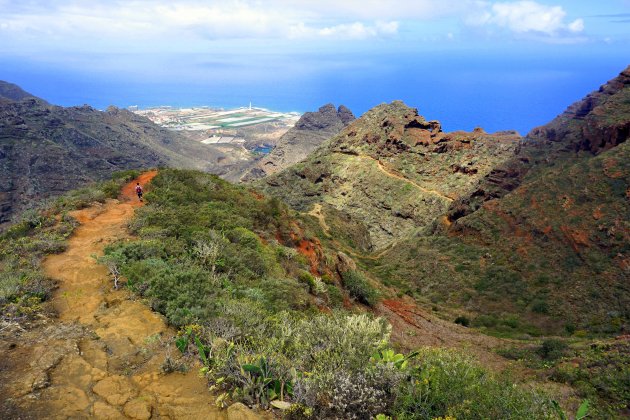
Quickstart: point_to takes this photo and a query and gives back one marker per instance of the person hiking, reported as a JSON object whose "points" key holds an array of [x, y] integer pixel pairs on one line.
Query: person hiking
{"points": [[139, 191]]}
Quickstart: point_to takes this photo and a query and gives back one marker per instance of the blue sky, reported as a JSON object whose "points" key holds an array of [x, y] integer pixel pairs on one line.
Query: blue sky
{"points": [[131, 45]]}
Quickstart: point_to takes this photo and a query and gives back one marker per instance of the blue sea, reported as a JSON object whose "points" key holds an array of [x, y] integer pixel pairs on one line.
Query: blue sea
{"points": [[462, 90]]}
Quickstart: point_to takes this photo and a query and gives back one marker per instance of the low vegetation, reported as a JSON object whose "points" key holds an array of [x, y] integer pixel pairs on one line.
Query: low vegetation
{"points": [[229, 267], [598, 371]]}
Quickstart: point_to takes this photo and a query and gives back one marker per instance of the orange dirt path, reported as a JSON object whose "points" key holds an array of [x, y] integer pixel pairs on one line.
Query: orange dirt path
{"points": [[115, 373]]}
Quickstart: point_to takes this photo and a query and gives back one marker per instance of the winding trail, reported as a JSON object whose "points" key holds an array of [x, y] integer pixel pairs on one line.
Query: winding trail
{"points": [[103, 360], [390, 173]]}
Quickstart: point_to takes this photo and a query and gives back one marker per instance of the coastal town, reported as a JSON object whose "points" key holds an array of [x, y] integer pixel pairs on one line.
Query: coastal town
{"points": [[209, 125]]}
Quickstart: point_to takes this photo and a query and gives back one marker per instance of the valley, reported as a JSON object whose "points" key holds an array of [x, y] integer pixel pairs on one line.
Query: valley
{"points": [[365, 266]]}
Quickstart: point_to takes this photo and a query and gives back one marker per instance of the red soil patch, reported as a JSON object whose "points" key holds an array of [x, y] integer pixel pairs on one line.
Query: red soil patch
{"points": [[534, 203], [575, 238], [308, 249], [311, 249], [611, 170], [258, 196], [522, 251], [513, 224], [404, 310]]}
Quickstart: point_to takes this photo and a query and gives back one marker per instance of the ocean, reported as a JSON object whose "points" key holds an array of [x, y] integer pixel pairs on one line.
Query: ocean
{"points": [[463, 91]]}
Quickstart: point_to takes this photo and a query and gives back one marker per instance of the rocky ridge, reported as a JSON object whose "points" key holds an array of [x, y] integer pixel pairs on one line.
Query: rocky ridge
{"points": [[310, 132], [524, 234], [391, 148], [558, 213], [597, 123], [12, 92]]}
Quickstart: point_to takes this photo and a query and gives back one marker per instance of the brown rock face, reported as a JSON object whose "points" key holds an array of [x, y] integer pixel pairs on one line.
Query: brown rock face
{"points": [[599, 122]]}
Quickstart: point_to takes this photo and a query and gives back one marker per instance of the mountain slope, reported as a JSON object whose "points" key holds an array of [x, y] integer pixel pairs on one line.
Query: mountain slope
{"points": [[390, 172], [518, 235], [597, 123], [310, 132], [563, 225], [46, 150], [12, 92]]}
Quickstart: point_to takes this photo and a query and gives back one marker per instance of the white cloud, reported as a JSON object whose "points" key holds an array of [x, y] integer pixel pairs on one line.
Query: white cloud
{"points": [[356, 31], [163, 22], [523, 17], [124, 25], [577, 25]]}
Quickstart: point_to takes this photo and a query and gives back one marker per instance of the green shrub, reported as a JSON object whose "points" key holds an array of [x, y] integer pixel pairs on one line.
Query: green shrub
{"points": [[446, 383], [359, 287], [540, 306], [335, 296], [488, 321], [462, 320], [315, 285], [552, 349]]}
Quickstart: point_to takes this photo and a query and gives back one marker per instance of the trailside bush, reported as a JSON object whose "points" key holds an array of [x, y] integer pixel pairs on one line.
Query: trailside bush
{"points": [[446, 383], [23, 286], [359, 287], [462, 320]]}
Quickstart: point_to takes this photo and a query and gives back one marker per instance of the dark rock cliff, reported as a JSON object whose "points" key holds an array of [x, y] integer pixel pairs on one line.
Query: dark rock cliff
{"points": [[309, 132]]}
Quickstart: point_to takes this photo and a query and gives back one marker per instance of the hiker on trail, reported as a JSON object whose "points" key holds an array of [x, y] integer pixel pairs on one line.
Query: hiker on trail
{"points": [[139, 191]]}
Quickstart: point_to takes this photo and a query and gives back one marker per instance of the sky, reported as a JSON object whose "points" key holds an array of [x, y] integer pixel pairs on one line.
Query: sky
{"points": [[297, 55]]}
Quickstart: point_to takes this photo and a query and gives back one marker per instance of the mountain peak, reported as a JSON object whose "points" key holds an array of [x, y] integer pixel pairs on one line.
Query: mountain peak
{"points": [[594, 124]]}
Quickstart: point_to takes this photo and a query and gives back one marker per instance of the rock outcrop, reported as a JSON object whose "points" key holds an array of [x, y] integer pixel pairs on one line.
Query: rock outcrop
{"points": [[597, 123], [309, 132]]}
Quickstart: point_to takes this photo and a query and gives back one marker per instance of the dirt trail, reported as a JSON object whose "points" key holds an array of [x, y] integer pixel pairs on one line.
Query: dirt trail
{"points": [[317, 213], [104, 359], [390, 173]]}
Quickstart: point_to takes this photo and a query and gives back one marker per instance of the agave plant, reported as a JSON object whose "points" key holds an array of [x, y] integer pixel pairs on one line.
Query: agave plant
{"points": [[399, 360]]}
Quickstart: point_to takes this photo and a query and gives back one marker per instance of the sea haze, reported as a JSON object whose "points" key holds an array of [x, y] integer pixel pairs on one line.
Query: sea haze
{"points": [[463, 91]]}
